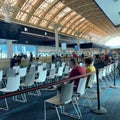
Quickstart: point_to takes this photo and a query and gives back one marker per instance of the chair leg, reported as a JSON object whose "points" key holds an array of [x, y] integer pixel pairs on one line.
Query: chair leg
{"points": [[57, 113], [38, 93], [6, 108], [45, 111], [24, 99], [88, 99], [77, 110]]}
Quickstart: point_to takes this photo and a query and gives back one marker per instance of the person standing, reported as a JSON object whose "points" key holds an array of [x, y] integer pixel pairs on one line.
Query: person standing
{"points": [[74, 55], [53, 58], [31, 56]]}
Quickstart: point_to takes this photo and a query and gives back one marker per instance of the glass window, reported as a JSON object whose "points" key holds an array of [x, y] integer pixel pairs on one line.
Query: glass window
{"points": [[51, 13], [51, 27], [11, 2], [67, 18], [45, 5], [114, 42], [43, 23], [3, 51], [25, 49], [27, 6], [21, 16], [33, 20]]}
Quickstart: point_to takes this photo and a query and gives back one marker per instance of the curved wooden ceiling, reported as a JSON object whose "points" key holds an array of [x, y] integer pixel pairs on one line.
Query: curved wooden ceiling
{"points": [[74, 16]]}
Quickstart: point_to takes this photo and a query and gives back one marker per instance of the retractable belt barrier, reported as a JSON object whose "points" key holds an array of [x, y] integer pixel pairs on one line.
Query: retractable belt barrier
{"points": [[98, 109], [42, 86]]}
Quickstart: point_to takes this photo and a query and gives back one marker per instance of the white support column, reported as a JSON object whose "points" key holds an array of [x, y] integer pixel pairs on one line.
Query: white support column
{"points": [[7, 13], [78, 40], [9, 49], [37, 47], [8, 42], [56, 26]]}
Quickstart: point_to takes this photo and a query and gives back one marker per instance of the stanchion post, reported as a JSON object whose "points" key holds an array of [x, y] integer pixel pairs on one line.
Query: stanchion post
{"points": [[98, 109], [114, 86], [114, 76], [98, 91]]}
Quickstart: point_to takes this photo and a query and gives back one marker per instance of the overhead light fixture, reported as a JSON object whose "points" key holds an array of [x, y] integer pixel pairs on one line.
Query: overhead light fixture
{"points": [[45, 33], [25, 29]]}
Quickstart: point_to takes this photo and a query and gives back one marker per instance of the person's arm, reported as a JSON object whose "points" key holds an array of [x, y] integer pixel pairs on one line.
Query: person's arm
{"points": [[71, 74]]}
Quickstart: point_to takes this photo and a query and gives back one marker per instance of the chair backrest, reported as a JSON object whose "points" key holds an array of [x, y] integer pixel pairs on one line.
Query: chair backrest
{"points": [[32, 69], [10, 73], [22, 72], [66, 70], [42, 76], [81, 86], [91, 80], [60, 71], [104, 72], [29, 79], [48, 66], [40, 68], [1, 75], [57, 64], [66, 93], [44, 65], [52, 66], [63, 64], [33, 65], [4, 71], [110, 68], [13, 83], [16, 68], [100, 75], [52, 73]]}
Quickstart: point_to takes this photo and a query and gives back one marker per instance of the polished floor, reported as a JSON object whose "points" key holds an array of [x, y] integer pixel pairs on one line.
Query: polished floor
{"points": [[33, 109]]}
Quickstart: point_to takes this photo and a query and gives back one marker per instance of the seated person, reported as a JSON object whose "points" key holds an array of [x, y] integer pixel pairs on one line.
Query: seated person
{"points": [[24, 63], [89, 68], [76, 71]]}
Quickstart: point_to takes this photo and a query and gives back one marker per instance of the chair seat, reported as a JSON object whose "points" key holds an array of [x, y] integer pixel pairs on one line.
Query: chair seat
{"points": [[48, 77], [58, 75], [6, 90], [23, 84], [26, 85], [37, 80], [54, 100], [36, 72]]}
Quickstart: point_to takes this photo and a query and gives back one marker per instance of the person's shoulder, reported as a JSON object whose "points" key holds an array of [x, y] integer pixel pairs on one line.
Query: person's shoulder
{"points": [[80, 67]]}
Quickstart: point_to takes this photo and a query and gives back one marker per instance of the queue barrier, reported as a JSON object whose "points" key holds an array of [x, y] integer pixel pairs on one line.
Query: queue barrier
{"points": [[97, 110]]}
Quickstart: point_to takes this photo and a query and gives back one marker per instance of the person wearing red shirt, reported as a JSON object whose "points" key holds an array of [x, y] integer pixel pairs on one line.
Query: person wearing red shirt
{"points": [[74, 55], [76, 71]]}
